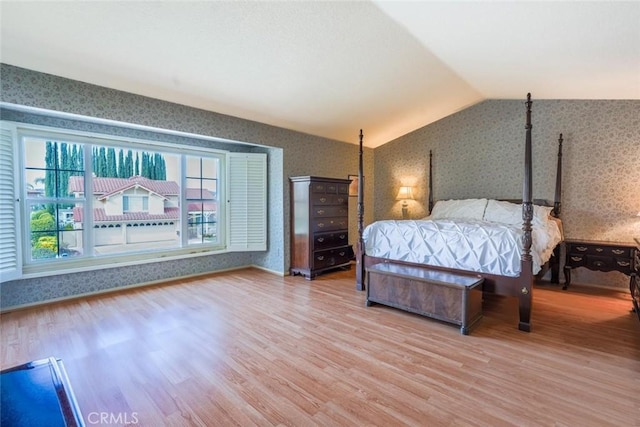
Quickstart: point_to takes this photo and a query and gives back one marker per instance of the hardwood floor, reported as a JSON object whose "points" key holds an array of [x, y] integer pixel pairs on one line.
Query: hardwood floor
{"points": [[250, 348]]}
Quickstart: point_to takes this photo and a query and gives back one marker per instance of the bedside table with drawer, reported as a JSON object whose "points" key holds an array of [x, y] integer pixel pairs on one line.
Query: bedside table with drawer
{"points": [[601, 256]]}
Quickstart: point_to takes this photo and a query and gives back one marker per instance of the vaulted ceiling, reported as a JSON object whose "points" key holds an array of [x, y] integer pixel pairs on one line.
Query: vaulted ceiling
{"points": [[331, 68]]}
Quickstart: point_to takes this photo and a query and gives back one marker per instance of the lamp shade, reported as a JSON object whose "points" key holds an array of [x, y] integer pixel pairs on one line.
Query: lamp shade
{"points": [[405, 193]]}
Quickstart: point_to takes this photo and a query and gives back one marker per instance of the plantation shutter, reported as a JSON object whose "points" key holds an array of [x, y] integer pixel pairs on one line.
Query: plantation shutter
{"points": [[247, 190], [10, 257]]}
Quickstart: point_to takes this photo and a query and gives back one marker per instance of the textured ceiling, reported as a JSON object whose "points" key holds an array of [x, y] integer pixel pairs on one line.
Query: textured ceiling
{"points": [[332, 68]]}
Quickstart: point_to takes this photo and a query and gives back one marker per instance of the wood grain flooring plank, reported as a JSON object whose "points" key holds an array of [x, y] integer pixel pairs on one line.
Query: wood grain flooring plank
{"points": [[247, 347]]}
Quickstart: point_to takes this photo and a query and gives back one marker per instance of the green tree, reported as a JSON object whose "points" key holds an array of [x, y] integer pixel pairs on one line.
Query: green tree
{"points": [[64, 173], [44, 247], [75, 167], [144, 166], [151, 174], [51, 165], [122, 173], [42, 223], [102, 170], [51, 173], [73, 158], [112, 167], [159, 167], [128, 165]]}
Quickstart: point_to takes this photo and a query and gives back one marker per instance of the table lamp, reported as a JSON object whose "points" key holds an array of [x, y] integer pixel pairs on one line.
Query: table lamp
{"points": [[405, 193]]}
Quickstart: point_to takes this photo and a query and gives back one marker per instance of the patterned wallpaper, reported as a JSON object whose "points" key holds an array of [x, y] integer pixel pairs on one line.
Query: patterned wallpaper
{"points": [[479, 152], [601, 168], [290, 153]]}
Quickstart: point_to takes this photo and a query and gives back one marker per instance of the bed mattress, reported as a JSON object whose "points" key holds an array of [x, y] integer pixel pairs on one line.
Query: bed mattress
{"points": [[471, 245]]}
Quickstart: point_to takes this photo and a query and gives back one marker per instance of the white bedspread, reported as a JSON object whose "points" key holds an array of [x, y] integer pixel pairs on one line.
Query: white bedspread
{"points": [[481, 246]]}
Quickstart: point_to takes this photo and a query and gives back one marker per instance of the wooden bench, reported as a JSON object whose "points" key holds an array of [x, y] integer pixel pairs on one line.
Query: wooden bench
{"points": [[449, 297]]}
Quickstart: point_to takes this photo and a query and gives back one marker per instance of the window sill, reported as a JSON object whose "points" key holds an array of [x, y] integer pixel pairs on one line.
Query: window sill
{"points": [[81, 265]]}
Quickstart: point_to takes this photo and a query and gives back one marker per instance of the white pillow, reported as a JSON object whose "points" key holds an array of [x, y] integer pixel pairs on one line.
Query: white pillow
{"points": [[541, 214], [511, 213], [503, 212], [466, 209]]}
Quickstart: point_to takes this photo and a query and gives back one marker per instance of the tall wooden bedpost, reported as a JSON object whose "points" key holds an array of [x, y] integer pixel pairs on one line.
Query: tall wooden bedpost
{"points": [[555, 259], [360, 272], [430, 181], [558, 195], [526, 261]]}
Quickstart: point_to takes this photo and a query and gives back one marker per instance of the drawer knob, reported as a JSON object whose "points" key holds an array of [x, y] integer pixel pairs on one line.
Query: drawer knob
{"points": [[599, 249], [320, 239], [617, 251], [576, 258], [598, 263], [342, 253], [624, 263], [581, 248], [320, 211], [342, 236], [340, 200], [320, 224], [323, 199], [320, 257]]}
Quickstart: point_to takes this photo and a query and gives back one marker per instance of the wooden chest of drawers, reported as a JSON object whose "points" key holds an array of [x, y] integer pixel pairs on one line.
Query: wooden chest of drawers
{"points": [[599, 256], [319, 225]]}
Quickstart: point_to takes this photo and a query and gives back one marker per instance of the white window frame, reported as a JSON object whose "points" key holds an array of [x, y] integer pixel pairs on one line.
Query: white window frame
{"points": [[90, 262]]}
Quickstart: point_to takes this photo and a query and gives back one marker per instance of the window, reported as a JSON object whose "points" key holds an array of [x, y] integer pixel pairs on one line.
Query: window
{"points": [[50, 167], [135, 204], [202, 189], [90, 198]]}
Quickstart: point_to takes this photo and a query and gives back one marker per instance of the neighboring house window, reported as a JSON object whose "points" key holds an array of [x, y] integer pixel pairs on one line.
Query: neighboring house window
{"points": [[135, 204], [86, 200]]}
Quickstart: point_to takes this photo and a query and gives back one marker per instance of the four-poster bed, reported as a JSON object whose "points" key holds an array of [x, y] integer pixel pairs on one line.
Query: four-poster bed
{"points": [[515, 274]]}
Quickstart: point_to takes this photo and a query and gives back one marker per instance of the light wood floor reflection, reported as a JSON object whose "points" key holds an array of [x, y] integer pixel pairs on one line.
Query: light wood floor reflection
{"points": [[251, 348]]}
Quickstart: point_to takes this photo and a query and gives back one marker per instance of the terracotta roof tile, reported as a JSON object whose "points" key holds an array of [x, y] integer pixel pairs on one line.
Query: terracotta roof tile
{"points": [[99, 214], [105, 186]]}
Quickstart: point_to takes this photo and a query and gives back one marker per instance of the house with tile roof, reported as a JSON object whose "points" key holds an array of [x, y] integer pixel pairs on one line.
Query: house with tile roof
{"points": [[140, 210]]}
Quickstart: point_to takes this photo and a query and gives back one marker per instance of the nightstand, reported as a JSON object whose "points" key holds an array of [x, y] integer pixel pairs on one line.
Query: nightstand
{"points": [[601, 256]]}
